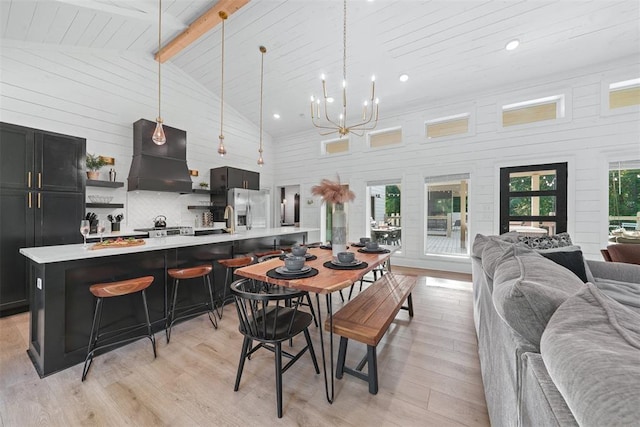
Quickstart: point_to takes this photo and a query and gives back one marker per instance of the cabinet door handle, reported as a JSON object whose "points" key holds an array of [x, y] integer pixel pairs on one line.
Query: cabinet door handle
{"points": [[39, 194], [29, 199], [39, 180], [29, 180]]}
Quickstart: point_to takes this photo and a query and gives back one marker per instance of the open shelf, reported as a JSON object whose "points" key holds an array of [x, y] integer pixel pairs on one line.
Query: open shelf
{"points": [[200, 207], [200, 191], [105, 205], [109, 184]]}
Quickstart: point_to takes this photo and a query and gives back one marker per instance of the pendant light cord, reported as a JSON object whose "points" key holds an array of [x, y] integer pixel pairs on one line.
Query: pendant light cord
{"points": [[263, 50], [222, 79], [159, 59]]}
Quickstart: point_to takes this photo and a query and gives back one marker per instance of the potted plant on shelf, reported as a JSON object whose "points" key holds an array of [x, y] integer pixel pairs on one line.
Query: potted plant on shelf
{"points": [[94, 163]]}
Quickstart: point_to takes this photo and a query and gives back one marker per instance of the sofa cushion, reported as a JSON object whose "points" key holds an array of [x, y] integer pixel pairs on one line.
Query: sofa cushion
{"points": [[546, 242], [492, 249], [528, 301], [625, 293], [591, 348]]}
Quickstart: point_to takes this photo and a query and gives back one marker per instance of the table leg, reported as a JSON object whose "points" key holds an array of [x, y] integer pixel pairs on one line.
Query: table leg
{"points": [[330, 396]]}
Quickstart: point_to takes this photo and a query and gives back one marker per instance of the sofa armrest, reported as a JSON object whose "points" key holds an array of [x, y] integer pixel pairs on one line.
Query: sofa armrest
{"points": [[619, 271]]}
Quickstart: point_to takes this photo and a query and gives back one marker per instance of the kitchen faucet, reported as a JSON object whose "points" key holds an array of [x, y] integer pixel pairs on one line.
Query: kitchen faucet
{"points": [[228, 214]]}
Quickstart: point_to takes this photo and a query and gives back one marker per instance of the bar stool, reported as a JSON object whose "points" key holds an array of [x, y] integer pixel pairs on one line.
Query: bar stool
{"points": [[263, 256], [231, 264], [110, 290], [194, 309]]}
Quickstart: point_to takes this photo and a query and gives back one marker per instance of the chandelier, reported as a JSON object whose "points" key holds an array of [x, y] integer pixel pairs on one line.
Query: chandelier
{"points": [[221, 150], [340, 126], [159, 138]]}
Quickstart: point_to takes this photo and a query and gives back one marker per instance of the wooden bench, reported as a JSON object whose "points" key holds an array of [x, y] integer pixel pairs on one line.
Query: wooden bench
{"points": [[366, 318]]}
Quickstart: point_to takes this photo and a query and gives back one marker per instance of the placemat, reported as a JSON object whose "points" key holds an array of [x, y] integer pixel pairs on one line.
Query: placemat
{"points": [[275, 275], [328, 247], [358, 245], [379, 251], [332, 266], [310, 258]]}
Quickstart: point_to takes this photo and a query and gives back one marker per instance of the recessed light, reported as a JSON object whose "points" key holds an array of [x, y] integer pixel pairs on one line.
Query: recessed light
{"points": [[329, 99], [512, 45], [276, 116], [404, 77]]}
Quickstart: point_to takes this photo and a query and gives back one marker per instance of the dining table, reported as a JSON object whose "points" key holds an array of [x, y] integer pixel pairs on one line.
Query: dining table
{"points": [[325, 282]]}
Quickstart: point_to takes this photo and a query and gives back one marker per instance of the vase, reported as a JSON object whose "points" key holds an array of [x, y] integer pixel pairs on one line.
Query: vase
{"points": [[338, 230]]}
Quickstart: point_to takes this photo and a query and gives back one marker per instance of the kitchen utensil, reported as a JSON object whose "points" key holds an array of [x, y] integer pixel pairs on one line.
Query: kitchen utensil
{"points": [[160, 221]]}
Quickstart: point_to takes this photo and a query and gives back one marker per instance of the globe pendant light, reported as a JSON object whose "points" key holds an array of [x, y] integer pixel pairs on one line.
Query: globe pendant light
{"points": [[263, 50], [221, 150], [159, 138]]}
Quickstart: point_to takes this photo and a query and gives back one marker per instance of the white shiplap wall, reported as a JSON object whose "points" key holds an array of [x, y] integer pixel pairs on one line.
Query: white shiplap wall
{"points": [[588, 138], [99, 94]]}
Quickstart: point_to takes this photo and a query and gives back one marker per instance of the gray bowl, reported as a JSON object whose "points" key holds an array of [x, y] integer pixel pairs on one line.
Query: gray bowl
{"points": [[346, 257], [299, 250], [365, 240], [372, 245], [294, 263]]}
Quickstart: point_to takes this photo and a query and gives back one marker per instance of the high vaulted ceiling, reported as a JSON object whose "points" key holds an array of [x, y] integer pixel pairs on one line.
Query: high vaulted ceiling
{"points": [[447, 47]]}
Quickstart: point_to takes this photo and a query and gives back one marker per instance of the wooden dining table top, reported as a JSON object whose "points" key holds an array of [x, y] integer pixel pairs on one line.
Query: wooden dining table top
{"points": [[327, 280]]}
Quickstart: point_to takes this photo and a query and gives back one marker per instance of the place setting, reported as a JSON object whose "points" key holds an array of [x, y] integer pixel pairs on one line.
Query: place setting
{"points": [[294, 268], [299, 251], [362, 243], [373, 248], [345, 261]]}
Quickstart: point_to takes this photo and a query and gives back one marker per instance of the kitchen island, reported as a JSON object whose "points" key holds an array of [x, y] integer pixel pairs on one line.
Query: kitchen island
{"points": [[61, 306]]}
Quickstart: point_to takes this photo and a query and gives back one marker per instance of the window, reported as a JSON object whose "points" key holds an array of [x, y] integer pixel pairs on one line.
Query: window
{"points": [[535, 110], [624, 94], [385, 138], [383, 212], [447, 219], [447, 126], [533, 199], [335, 146], [624, 195]]}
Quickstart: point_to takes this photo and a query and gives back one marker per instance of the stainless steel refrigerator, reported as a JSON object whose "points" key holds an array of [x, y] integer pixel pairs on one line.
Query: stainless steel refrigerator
{"points": [[251, 208]]}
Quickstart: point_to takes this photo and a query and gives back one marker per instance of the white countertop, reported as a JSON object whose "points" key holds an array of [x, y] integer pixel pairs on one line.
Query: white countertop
{"points": [[49, 254]]}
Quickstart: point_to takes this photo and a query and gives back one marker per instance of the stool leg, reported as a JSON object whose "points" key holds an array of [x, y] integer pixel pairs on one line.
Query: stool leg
{"points": [[207, 283], [146, 314], [172, 312], [92, 342], [224, 293]]}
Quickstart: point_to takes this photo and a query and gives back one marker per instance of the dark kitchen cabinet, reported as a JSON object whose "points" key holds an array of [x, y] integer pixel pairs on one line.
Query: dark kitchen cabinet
{"points": [[227, 177], [224, 178], [42, 193]]}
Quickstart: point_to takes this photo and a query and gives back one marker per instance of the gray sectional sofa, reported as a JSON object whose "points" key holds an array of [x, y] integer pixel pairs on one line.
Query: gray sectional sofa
{"points": [[554, 350]]}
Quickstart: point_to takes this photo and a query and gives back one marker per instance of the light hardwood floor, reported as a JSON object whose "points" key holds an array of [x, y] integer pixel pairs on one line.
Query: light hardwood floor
{"points": [[428, 367]]}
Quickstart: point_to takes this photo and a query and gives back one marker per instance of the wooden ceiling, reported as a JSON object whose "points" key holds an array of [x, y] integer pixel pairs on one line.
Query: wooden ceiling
{"points": [[448, 48]]}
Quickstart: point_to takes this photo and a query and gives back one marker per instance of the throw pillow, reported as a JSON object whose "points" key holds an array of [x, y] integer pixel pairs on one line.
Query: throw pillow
{"points": [[527, 302], [573, 248], [573, 261], [591, 348], [546, 242]]}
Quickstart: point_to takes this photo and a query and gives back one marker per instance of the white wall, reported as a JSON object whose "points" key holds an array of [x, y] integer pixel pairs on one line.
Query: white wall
{"points": [[98, 95], [588, 138]]}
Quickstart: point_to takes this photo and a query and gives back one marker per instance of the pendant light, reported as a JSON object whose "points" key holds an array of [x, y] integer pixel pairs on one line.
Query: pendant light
{"points": [[263, 50], [221, 150], [159, 138]]}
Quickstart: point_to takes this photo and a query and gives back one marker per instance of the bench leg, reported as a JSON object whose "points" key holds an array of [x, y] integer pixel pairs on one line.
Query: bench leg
{"points": [[372, 361], [410, 303], [342, 353]]}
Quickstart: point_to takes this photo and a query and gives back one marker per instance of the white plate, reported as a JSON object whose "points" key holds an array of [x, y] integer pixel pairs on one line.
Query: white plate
{"points": [[380, 249], [346, 264], [285, 272]]}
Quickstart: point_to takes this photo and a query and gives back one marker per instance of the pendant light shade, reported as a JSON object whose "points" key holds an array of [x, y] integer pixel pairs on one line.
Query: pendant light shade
{"points": [[221, 149], [159, 138], [263, 50]]}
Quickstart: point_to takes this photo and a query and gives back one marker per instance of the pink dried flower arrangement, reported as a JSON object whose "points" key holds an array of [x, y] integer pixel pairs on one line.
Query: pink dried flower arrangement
{"points": [[333, 191]]}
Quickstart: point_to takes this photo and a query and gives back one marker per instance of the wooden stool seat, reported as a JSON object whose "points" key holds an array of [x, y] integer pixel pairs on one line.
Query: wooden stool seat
{"points": [[236, 262], [269, 253], [190, 273], [195, 309], [123, 287], [98, 339]]}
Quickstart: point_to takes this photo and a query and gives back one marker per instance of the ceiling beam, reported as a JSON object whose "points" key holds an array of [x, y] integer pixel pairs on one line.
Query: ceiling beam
{"points": [[200, 26]]}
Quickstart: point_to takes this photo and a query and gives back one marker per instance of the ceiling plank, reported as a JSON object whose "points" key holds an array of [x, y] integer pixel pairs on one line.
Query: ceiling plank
{"points": [[200, 26]]}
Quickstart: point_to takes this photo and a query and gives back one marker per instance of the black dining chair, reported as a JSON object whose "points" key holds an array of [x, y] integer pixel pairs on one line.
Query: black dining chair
{"points": [[269, 315]]}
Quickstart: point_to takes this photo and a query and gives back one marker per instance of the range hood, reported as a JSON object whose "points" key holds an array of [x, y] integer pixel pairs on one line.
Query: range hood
{"points": [[159, 167]]}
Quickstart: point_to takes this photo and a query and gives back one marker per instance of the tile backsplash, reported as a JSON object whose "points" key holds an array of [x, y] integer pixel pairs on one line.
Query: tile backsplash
{"points": [[141, 208]]}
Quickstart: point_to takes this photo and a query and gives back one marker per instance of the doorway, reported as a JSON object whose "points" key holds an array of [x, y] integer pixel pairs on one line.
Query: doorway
{"points": [[289, 206]]}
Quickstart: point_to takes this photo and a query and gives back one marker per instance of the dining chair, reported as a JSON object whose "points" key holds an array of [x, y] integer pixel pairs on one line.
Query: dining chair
{"points": [[269, 315]]}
